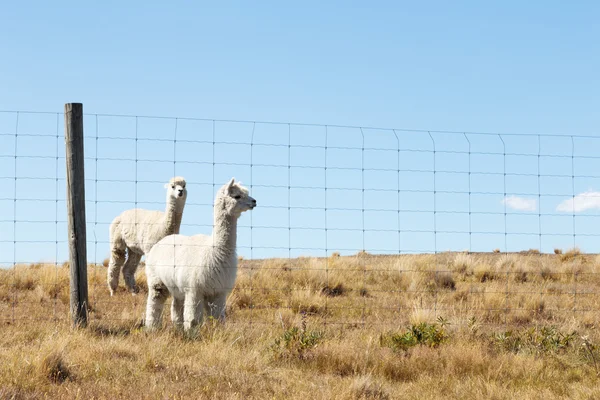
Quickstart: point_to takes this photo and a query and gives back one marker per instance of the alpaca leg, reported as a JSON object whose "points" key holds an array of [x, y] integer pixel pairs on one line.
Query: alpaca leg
{"points": [[177, 312], [217, 306], [157, 295], [133, 260], [117, 259], [192, 311]]}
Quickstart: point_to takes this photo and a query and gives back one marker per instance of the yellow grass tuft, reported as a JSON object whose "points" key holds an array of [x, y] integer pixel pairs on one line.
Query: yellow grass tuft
{"points": [[570, 255], [55, 368]]}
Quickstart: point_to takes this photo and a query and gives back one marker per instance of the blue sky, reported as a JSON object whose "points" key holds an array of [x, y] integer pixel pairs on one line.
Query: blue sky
{"points": [[509, 67]]}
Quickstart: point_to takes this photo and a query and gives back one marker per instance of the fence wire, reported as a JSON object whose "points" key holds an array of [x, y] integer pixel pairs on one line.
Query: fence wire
{"points": [[354, 225]]}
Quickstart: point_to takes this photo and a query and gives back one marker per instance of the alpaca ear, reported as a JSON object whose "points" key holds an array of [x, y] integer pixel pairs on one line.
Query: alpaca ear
{"points": [[230, 185]]}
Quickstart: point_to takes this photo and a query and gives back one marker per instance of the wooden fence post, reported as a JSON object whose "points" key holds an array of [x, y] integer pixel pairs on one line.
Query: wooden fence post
{"points": [[76, 212]]}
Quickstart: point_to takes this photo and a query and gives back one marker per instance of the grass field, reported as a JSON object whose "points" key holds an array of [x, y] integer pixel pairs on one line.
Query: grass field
{"points": [[451, 326]]}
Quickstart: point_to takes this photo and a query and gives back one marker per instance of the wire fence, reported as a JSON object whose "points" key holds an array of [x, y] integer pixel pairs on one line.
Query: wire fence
{"points": [[354, 225]]}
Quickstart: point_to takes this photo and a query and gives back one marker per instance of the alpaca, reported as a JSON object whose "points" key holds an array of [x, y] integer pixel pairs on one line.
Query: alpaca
{"points": [[137, 230], [198, 271]]}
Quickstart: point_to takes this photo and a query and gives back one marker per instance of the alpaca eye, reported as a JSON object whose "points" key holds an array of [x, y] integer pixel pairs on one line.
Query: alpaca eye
{"points": [[172, 186], [237, 197]]}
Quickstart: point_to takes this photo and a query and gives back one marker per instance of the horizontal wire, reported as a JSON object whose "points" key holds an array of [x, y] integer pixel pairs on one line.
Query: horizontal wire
{"points": [[450, 212], [304, 124], [322, 147], [423, 191]]}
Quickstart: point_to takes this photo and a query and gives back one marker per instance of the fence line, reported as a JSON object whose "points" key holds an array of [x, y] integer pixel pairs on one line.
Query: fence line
{"points": [[467, 221]]}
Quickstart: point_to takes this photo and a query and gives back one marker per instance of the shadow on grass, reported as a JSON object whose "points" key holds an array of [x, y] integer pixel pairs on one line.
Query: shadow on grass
{"points": [[116, 330]]}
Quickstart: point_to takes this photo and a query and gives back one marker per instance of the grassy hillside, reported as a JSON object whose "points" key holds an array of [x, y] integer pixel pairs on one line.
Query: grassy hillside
{"points": [[451, 325]]}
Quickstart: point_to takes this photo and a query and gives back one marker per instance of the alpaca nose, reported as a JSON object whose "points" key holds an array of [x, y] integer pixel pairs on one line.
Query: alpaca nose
{"points": [[253, 202], [180, 192]]}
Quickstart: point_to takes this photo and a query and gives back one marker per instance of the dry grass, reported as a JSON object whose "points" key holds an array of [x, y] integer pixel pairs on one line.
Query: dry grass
{"points": [[313, 328]]}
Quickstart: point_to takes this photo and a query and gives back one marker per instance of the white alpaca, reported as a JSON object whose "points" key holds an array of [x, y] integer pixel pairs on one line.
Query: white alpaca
{"points": [[198, 271], [137, 230]]}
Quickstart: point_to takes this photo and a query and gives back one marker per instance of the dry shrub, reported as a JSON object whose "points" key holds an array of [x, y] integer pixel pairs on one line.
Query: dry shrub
{"points": [[445, 280], [241, 299], [362, 254], [547, 274], [521, 317], [335, 254], [463, 263], [558, 251], [420, 315], [5, 293], [507, 262], [333, 291], [308, 302], [484, 272], [365, 387], [530, 252], [54, 367], [570, 255], [496, 250], [519, 274]]}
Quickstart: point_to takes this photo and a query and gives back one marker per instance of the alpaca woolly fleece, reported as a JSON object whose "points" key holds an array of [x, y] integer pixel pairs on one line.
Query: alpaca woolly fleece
{"points": [[198, 271], [135, 232]]}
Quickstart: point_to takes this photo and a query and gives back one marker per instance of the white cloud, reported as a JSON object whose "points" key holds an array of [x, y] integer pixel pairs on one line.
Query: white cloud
{"points": [[582, 202], [520, 203]]}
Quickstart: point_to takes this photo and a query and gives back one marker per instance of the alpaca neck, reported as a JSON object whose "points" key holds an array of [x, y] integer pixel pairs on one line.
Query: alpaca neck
{"points": [[224, 234], [173, 214]]}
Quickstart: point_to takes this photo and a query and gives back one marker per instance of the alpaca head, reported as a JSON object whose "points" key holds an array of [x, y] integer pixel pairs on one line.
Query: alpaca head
{"points": [[176, 190], [234, 199]]}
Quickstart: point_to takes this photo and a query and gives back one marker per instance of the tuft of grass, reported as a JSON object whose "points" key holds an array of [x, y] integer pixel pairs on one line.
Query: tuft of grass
{"points": [[333, 291], [484, 272], [296, 342], [445, 280], [365, 388], [570, 255], [530, 252], [425, 334], [362, 254], [54, 368], [544, 340], [463, 263]]}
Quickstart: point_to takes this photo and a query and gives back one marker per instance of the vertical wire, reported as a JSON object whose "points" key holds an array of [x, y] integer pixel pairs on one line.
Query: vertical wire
{"points": [[505, 229], [96, 207], [574, 235], [470, 210], [15, 222], [363, 228], [326, 234], [56, 221], [435, 226], [175, 148], [213, 176], [251, 224], [174, 175], [289, 200], [398, 187], [135, 199], [469, 188], [539, 207], [399, 306]]}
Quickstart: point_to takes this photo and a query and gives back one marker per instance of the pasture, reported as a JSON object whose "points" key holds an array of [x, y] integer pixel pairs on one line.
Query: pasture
{"points": [[448, 325]]}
